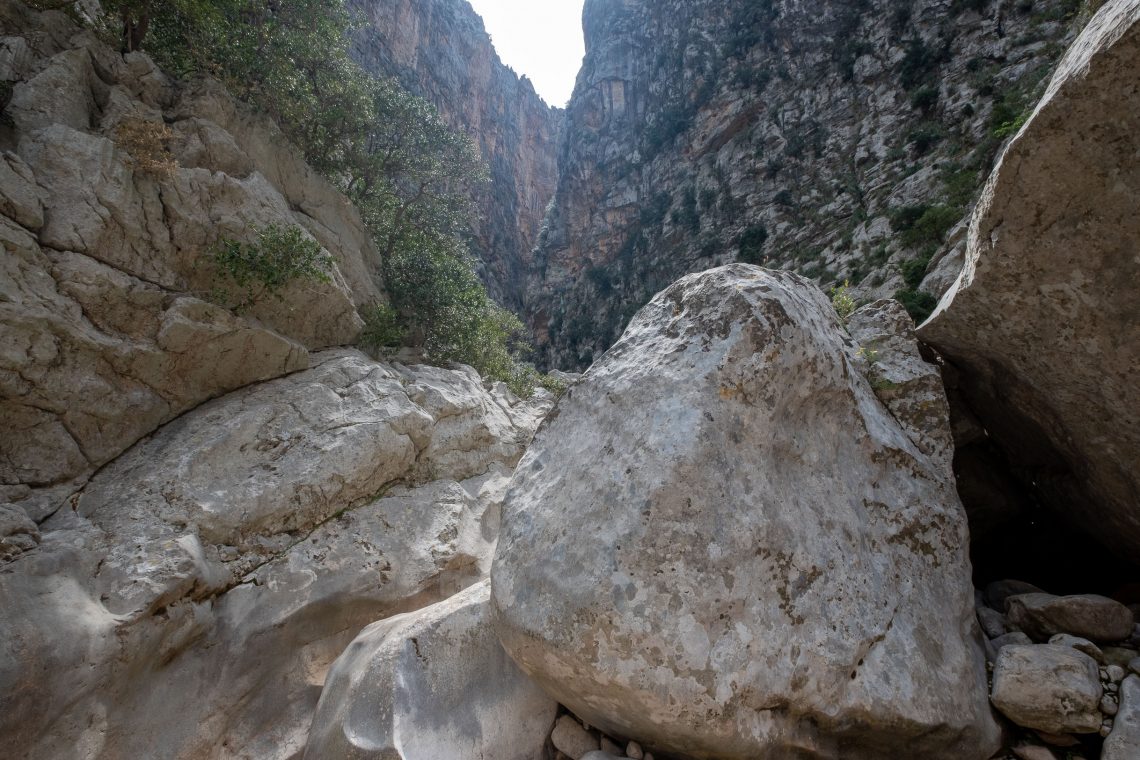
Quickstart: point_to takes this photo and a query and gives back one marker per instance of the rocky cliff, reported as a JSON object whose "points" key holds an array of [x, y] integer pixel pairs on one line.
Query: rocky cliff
{"points": [[843, 140], [200, 506], [439, 50]]}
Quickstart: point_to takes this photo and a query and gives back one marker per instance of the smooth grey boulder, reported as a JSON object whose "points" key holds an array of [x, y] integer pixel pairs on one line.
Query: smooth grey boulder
{"points": [[1042, 320], [722, 544], [571, 739], [1087, 616], [429, 685], [1049, 688], [1124, 741]]}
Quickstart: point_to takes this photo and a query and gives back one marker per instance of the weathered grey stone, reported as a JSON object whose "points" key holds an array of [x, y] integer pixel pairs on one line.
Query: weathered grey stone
{"points": [[600, 755], [1088, 616], [992, 622], [94, 359], [1124, 741], [18, 532], [633, 750], [733, 410], [908, 385], [1049, 688], [1119, 655], [427, 685], [1026, 305], [571, 738], [1081, 645], [21, 199]]}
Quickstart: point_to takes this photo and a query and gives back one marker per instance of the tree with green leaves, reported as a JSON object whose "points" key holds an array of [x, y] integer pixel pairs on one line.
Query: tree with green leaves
{"points": [[391, 153]]}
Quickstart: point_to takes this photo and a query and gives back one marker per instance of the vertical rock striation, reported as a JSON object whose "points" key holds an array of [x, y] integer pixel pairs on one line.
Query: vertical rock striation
{"points": [[839, 139], [439, 50]]}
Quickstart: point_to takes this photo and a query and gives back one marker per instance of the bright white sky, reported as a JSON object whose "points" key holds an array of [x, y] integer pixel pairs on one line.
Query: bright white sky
{"points": [[539, 38]]}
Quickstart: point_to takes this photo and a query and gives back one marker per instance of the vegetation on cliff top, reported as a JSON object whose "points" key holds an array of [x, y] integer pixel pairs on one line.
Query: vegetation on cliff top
{"points": [[410, 175]]}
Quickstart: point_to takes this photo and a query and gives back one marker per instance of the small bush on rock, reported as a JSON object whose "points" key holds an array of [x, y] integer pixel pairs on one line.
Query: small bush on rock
{"points": [[843, 302], [918, 303], [752, 244], [382, 331], [279, 257]]}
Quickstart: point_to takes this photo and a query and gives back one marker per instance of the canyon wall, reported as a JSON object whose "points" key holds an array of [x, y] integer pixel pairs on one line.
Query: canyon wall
{"points": [[843, 140], [439, 50]]}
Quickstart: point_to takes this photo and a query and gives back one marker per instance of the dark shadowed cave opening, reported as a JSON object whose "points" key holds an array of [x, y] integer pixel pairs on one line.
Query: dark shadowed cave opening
{"points": [[1014, 533]]}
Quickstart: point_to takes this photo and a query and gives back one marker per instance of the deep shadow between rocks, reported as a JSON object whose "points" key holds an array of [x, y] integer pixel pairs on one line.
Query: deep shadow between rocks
{"points": [[1013, 532]]}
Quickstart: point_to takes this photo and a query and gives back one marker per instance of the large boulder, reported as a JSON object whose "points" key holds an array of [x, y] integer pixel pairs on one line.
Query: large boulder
{"points": [[428, 685], [1089, 616], [1048, 687], [239, 549], [1042, 320], [724, 545]]}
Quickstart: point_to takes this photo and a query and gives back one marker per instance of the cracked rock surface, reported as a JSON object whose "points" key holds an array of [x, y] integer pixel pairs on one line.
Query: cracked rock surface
{"points": [[774, 565], [107, 333], [194, 593]]}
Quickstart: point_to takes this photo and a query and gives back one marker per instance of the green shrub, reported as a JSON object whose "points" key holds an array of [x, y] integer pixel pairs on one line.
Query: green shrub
{"points": [[918, 303], [382, 329], [279, 257], [686, 214], [914, 270], [918, 63], [843, 302], [654, 212], [925, 136], [600, 277], [923, 225], [410, 175], [924, 99], [1012, 127], [752, 242]]}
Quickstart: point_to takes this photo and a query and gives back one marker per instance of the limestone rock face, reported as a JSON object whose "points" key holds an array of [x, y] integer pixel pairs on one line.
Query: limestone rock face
{"points": [[796, 135], [431, 684], [724, 545], [439, 50], [1042, 319], [106, 333], [192, 595]]}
